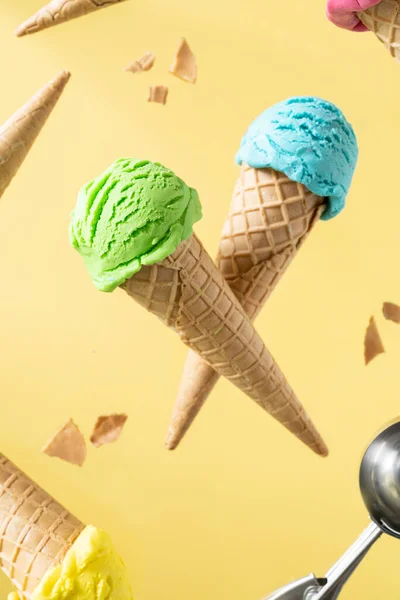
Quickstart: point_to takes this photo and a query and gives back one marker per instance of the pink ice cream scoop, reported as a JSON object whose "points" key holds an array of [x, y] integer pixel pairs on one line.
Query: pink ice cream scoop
{"points": [[343, 13]]}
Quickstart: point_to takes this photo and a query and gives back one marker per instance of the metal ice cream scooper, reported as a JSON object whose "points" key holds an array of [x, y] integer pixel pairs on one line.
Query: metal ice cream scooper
{"points": [[380, 489]]}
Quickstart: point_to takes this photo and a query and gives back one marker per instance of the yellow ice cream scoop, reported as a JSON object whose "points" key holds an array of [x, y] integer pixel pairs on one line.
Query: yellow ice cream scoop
{"points": [[91, 570], [49, 554]]}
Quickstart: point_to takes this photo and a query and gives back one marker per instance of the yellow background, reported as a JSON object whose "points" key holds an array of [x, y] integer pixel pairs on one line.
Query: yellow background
{"points": [[241, 507]]}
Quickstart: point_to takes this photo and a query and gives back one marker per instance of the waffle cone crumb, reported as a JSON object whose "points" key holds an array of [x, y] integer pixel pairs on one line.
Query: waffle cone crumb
{"points": [[184, 63], [391, 312], [68, 444], [144, 63], [158, 94], [108, 429], [372, 342]]}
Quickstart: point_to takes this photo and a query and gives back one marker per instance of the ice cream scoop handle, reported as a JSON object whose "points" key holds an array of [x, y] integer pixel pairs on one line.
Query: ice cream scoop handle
{"points": [[344, 567], [330, 586]]}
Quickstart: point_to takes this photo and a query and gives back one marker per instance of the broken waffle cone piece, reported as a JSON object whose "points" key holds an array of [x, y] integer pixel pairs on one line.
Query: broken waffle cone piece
{"points": [[269, 220], [189, 294], [35, 531], [68, 444], [158, 94], [391, 312], [61, 11], [184, 63], [18, 134], [383, 20], [372, 342], [108, 429], [144, 63]]}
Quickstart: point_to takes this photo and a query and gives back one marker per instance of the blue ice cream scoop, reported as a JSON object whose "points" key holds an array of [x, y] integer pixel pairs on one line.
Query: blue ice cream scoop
{"points": [[309, 140]]}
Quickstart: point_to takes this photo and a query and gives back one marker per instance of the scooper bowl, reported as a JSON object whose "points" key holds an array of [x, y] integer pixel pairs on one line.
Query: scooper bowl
{"points": [[380, 480]]}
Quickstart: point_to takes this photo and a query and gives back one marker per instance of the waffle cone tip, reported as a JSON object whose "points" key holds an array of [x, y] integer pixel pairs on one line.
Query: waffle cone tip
{"points": [[62, 78], [58, 83], [29, 26], [306, 432], [313, 440], [322, 449], [21, 30], [177, 430], [170, 443], [173, 438]]}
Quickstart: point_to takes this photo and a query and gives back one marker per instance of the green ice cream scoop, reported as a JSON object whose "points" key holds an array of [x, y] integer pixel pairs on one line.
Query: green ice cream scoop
{"points": [[136, 213]]}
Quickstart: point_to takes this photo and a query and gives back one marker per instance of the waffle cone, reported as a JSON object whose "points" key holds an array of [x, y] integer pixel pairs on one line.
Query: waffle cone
{"points": [[18, 134], [189, 294], [35, 531], [269, 219], [61, 11], [383, 20]]}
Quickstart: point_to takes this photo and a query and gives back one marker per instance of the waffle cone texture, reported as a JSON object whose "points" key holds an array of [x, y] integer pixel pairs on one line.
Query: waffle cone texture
{"points": [[35, 531], [189, 294], [383, 20], [61, 11], [18, 134], [269, 219]]}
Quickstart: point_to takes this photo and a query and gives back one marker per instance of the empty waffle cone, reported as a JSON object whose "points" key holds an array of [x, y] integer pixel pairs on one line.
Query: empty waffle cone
{"points": [[61, 11], [189, 294], [383, 20], [35, 531], [20, 131], [269, 219]]}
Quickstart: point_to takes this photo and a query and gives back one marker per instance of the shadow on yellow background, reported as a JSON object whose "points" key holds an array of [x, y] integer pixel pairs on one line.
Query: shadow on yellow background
{"points": [[241, 507]]}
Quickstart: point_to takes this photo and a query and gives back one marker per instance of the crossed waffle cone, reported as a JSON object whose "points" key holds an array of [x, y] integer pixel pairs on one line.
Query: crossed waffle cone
{"points": [[270, 219]]}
